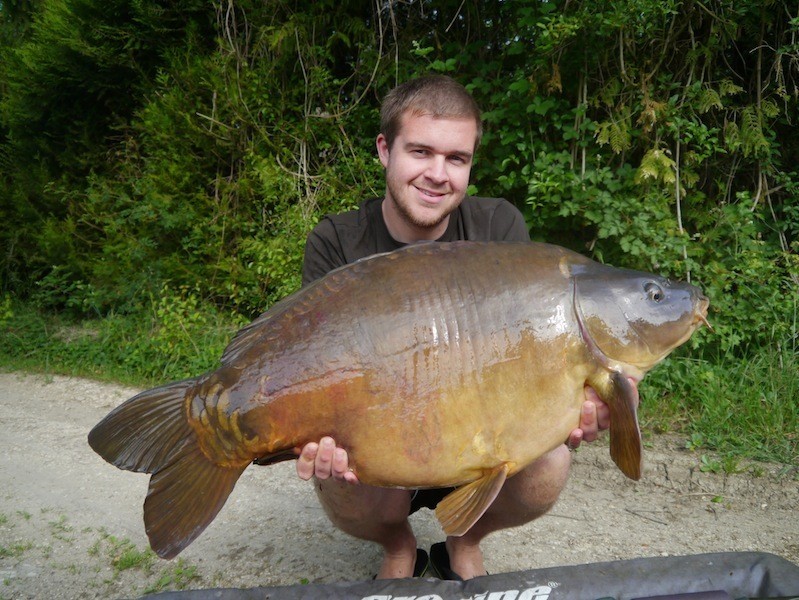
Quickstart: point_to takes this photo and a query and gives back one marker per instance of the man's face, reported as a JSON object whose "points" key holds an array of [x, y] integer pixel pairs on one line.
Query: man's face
{"points": [[427, 172]]}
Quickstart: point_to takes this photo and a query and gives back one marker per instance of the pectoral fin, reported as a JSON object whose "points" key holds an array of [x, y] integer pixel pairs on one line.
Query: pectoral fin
{"points": [[625, 436], [461, 509]]}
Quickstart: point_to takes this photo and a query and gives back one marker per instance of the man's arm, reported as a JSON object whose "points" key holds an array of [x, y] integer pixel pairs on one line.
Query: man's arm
{"points": [[322, 460], [508, 224]]}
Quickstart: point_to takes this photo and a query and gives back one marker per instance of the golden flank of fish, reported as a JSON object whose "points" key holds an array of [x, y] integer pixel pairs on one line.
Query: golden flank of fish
{"points": [[436, 365]]}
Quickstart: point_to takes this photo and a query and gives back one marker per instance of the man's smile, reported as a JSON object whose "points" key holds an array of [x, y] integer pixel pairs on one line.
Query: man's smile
{"points": [[431, 195]]}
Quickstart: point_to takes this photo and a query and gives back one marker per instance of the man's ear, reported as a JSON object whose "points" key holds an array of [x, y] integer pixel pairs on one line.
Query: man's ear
{"points": [[382, 149]]}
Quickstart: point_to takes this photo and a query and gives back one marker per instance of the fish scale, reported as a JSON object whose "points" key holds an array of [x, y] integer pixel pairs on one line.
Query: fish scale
{"points": [[438, 365]]}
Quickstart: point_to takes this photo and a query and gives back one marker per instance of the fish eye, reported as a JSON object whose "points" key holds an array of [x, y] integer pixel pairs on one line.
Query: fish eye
{"points": [[653, 291]]}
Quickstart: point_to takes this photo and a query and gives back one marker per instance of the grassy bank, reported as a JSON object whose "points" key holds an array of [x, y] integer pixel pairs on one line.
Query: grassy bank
{"points": [[175, 339], [738, 408]]}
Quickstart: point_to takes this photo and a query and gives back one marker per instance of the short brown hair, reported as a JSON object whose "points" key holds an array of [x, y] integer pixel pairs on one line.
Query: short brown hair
{"points": [[436, 95]]}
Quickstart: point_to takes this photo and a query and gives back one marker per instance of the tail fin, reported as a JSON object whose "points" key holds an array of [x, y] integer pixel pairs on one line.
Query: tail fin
{"points": [[150, 433], [183, 499], [144, 432]]}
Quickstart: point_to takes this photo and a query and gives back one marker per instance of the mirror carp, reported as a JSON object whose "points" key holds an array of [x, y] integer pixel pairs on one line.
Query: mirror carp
{"points": [[440, 364]]}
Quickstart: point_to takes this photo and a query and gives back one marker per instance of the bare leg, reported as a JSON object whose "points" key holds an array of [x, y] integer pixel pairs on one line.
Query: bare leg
{"points": [[380, 515], [526, 496], [374, 514]]}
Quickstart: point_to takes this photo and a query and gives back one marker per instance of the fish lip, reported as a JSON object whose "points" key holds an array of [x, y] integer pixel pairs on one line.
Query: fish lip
{"points": [[701, 313], [700, 318]]}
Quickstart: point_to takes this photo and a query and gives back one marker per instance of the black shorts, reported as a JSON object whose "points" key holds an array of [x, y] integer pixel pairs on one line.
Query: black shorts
{"points": [[428, 498]]}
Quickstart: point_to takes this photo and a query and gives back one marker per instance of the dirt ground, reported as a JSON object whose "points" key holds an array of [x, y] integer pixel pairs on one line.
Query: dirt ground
{"points": [[71, 524]]}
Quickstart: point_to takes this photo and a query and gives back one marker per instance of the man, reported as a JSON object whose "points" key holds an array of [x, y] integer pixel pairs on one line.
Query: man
{"points": [[430, 130]]}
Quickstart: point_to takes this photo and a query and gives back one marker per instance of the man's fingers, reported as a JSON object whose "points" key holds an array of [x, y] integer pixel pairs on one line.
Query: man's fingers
{"points": [[602, 416], [323, 465], [306, 461], [340, 462], [635, 387], [591, 395], [594, 417], [588, 421], [323, 461], [575, 439]]}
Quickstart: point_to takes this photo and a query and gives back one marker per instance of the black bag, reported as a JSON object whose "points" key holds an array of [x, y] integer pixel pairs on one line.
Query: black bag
{"points": [[722, 576]]}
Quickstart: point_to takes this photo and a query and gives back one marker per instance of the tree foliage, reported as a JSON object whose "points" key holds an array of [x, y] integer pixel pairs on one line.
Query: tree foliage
{"points": [[146, 144]]}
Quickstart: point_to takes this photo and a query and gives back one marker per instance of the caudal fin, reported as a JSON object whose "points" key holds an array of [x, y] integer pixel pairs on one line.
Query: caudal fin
{"points": [[150, 433], [183, 498], [143, 433]]}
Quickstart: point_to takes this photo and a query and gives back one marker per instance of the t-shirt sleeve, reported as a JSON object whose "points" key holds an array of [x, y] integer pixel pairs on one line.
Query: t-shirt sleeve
{"points": [[323, 253]]}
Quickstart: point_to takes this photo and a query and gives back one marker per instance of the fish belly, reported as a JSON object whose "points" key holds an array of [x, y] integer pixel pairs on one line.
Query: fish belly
{"points": [[455, 437]]}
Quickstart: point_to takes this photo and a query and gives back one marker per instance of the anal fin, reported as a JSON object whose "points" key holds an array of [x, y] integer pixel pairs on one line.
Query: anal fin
{"points": [[461, 509]]}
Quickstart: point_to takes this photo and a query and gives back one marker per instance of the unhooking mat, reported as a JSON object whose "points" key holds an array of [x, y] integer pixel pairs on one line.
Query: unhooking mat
{"points": [[720, 576]]}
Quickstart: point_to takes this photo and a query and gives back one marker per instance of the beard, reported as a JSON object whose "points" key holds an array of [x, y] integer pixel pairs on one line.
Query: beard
{"points": [[418, 218]]}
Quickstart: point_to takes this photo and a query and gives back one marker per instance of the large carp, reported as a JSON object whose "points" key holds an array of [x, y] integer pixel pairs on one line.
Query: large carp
{"points": [[437, 365]]}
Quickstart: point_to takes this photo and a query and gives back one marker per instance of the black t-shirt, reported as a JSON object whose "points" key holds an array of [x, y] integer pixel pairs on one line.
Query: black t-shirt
{"points": [[344, 238]]}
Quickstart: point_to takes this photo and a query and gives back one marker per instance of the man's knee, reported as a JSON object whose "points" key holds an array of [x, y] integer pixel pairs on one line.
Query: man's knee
{"points": [[554, 473], [538, 486]]}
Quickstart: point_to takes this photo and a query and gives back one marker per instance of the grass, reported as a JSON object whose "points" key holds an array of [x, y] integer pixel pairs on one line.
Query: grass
{"points": [[122, 553], [15, 550], [60, 529], [131, 557], [177, 577], [743, 406], [137, 350], [125, 556]]}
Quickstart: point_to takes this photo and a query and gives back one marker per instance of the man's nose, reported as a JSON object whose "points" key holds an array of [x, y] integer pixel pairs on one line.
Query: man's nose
{"points": [[437, 169]]}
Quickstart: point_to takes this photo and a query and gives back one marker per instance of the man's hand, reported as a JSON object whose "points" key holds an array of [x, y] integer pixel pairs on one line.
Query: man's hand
{"points": [[323, 461], [595, 417]]}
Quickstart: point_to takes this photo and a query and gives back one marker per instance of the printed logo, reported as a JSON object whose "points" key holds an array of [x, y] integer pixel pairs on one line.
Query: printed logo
{"points": [[540, 592], [537, 593]]}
